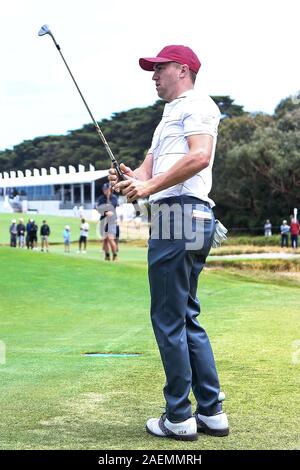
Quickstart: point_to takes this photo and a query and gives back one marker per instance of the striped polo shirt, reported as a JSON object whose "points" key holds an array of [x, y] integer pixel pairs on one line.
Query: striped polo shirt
{"points": [[189, 114]]}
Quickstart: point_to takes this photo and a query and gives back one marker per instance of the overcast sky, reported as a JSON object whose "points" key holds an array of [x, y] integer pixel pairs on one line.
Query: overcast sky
{"points": [[249, 49]]}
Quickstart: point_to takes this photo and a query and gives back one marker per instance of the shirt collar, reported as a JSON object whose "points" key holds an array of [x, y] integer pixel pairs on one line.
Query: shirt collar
{"points": [[185, 94], [176, 100]]}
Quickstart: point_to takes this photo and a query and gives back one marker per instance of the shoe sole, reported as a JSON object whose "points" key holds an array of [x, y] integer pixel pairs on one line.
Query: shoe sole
{"points": [[192, 437], [213, 432]]}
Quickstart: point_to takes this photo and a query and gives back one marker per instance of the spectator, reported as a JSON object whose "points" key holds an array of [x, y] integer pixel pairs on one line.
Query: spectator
{"points": [[284, 230], [21, 233], [295, 229], [32, 235], [45, 232], [28, 229], [67, 238], [268, 228], [84, 231], [13, 233]]}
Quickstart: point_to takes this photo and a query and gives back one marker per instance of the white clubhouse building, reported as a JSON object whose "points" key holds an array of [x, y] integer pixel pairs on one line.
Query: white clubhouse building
{"points": [[55, 191]]}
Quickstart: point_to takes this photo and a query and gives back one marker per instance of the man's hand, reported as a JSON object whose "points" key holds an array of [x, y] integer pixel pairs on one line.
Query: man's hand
{"points": [[113, 177], [133, 189], [108, 213]]}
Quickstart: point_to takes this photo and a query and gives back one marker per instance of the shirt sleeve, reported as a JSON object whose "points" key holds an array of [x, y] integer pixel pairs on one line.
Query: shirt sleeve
{"points": [[201, 121]]}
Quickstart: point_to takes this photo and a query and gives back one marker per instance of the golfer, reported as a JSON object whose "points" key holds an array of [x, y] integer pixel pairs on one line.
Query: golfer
{"points": [[177, 172]]}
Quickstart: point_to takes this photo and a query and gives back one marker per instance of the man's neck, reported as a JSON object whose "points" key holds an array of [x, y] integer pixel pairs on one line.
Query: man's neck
{"points": [[182, 91]]}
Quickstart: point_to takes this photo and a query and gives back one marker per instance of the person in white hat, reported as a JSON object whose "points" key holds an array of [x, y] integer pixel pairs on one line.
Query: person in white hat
{"points": [[284, 231], [67, 238]]}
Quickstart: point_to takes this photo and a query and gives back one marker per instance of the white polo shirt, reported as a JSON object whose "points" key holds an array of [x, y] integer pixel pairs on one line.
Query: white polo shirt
{"points": [[189, 114], [84, 229]]}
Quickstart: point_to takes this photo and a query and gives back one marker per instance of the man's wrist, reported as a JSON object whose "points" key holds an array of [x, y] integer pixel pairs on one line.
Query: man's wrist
{"points": [[152, 185]]}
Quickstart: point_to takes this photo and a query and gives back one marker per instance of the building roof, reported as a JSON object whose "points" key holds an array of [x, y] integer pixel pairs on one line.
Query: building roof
{"points": [[43, 177]]}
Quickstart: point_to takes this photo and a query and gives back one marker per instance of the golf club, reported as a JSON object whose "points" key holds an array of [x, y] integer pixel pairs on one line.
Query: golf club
{"points": [[46, 30]]}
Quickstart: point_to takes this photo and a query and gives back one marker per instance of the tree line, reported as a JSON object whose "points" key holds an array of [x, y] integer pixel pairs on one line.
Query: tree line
{"points": [[257, 162]]}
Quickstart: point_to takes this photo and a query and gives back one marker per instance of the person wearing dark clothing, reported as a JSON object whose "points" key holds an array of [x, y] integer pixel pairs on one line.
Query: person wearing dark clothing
{"points": [[32, 230], [28, 228], [284, 231], [45, 232], [21, 233]]}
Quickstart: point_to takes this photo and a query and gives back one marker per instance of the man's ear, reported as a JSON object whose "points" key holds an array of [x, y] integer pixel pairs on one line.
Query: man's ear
{"points": [[184, 70]]}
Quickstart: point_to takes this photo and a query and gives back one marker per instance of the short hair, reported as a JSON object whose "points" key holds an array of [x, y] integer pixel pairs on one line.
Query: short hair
{"points": [[193, 76]]}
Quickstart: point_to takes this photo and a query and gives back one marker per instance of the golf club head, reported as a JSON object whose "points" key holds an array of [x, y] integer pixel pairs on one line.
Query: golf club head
{"points": [[44, 30]]}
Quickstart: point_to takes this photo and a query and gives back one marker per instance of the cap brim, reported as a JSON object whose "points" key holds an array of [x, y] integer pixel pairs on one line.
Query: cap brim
{"points": [[147, 63]]}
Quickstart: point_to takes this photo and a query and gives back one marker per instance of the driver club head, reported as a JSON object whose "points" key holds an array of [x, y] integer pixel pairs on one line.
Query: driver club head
{"points": [[44, 30]]}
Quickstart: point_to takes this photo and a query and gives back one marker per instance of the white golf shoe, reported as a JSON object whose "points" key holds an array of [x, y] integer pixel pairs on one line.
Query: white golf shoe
{"points": [[162, 427], [215, 425]]}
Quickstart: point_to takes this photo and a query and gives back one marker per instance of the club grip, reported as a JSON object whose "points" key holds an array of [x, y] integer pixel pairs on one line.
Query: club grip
{"points": [[118, 170], [121, 176]]}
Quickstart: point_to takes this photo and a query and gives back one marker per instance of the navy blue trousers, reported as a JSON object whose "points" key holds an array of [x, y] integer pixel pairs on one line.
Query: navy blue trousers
{"points": [[185, 350]]}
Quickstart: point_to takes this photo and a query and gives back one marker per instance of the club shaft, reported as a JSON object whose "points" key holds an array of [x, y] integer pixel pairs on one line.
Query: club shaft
{"points": [[99, 132]]}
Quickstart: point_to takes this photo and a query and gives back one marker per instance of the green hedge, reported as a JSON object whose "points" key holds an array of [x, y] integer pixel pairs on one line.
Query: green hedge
{"points": [[274, 240], [292, 265]]}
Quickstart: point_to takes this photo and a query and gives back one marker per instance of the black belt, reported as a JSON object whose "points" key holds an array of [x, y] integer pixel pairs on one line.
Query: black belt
{"points": [[181, 200]]}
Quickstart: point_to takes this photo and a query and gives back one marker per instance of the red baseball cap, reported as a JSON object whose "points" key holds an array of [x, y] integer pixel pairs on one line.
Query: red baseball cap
{"points": [[180, 54]]}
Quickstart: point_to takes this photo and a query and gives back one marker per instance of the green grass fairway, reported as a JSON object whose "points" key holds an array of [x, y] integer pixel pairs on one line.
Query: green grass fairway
{"points": [[56, 306]]}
